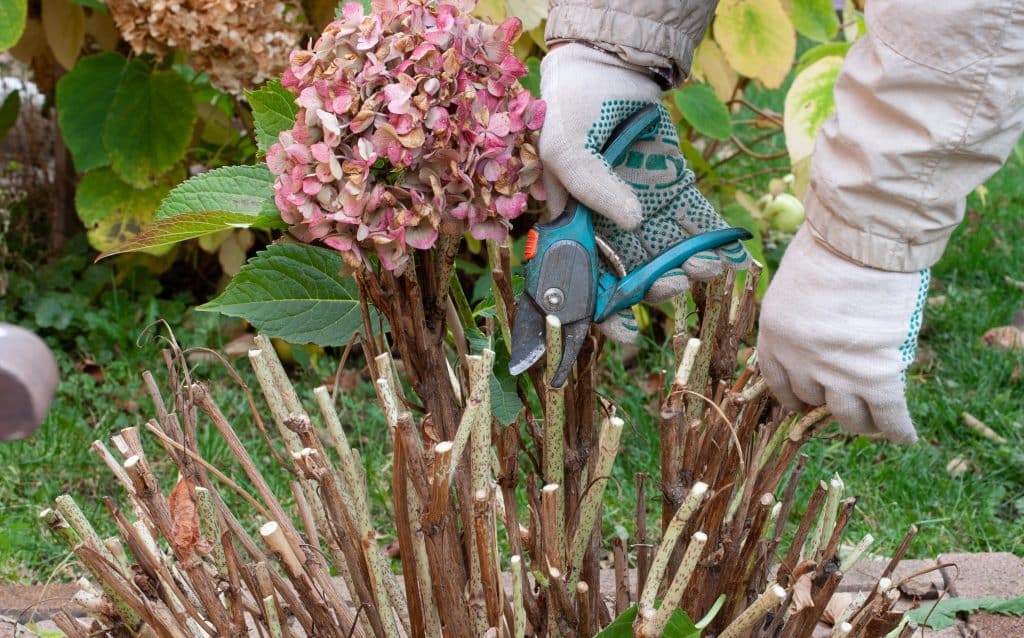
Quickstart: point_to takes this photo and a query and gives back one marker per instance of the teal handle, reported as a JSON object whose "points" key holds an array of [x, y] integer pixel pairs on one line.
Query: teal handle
{"points": [[577, 225], [614, 296]]}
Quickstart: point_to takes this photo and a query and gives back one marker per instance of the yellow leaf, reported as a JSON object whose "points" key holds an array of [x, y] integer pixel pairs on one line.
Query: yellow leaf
{"points": [[758, 39], [32, 43], [64, 26], [716, 69], [853, 22], [531, 12], [801, 177], [494, 10], [809, 103]]}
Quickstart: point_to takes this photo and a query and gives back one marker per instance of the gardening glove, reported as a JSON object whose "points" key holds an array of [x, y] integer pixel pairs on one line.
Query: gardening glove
{"points": [[645, 204], [837, 333]]}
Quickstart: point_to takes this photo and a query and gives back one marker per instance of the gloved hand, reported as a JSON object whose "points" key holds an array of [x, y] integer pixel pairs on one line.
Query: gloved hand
{"points": [[837, 333], [649, 202]]}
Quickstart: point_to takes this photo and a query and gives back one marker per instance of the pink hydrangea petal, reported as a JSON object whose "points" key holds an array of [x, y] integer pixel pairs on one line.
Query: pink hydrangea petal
{"points": [[510, 207], [491, 229]]}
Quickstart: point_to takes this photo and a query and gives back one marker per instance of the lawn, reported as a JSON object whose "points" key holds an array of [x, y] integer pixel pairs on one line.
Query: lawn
{"points": [[94, 317]]}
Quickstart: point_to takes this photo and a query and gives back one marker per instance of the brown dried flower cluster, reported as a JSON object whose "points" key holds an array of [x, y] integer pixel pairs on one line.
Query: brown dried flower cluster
{"points": [[240, 43]]}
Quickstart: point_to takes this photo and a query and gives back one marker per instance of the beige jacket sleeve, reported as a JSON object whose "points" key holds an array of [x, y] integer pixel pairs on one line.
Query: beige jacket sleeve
{"points": [[928, 105], [647, 33]]}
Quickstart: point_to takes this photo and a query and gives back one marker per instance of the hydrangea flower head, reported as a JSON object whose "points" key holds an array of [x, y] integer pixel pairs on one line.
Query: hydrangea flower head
{"points": [[411, 123]]}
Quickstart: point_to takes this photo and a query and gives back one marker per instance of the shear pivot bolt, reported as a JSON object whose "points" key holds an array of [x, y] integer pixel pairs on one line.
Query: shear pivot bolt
{"points": [[554, 298]]}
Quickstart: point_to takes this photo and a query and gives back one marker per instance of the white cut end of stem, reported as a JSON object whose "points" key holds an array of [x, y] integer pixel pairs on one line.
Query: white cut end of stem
{"points": [[686, 363], [480, 495], [582, 587], [553, 322], [775, 511], [444, 447], [46, 514], [550, 488], [700, 537], [616, 422], [515, 560], [132, 461], [699, 488], [884, 585], [777, 592], [555, 573], [766, 499], [269, 529]]}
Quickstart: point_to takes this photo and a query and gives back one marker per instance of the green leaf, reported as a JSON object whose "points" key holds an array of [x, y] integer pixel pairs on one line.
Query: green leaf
{"points": [[150, 122], [531, 81], [84, 96], [113, 211], [945, 610], [12, 22], [9, 112], [757, 38], [679, 625], [816, 53], [293, 291], [244, 190], [273, 111], [704, 111], [809, 102], [815, 19], [505, 403], [174, 230]]}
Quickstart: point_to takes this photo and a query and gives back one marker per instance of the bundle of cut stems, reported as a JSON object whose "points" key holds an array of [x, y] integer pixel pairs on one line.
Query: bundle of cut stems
{"points": [[473, 560]]}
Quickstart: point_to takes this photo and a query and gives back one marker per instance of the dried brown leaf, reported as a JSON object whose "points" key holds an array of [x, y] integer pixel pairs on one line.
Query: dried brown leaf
{"points": [[185, 534], [958, 466], [836, 606], [1005, 338], [802, 597]]}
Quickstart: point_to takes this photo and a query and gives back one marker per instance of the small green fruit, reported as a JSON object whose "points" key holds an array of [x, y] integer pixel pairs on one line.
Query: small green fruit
{"points": [[785, 212]]}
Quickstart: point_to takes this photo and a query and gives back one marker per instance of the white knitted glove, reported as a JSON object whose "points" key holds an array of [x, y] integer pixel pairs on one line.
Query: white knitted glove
{"points": [[837, 333], [649, 203]]}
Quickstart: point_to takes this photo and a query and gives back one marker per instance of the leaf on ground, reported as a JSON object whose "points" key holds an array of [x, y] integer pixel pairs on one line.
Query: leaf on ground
{"points": [[809, 103], [273, 111], [294, 291], [151, 121], [942, 614], [815, 19], [115, 212], [704, 111], [12, 21], [84, 96], [232, 189], [1005, 338], [757, 38]]}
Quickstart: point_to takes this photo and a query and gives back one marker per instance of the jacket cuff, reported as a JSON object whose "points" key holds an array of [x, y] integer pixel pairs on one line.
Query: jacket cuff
{"points": [[640, 41], [868, 248]]}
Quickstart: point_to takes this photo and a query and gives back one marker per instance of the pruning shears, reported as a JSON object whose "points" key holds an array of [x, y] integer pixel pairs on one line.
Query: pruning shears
{"points": [[562, 276]]}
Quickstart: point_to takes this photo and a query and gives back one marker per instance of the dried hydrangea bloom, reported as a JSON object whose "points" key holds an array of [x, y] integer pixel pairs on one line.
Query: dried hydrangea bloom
{"points": [[240, 43], [411, 123]]}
